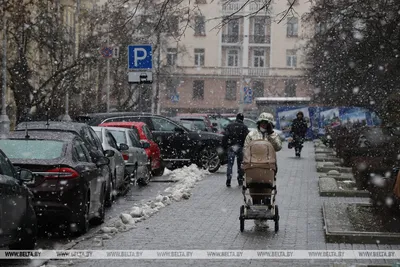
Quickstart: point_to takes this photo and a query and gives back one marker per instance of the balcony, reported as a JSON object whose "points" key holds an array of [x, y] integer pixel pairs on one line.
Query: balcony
{"points": [[229, 8], [258, 72], [231, 38], [258, 7], [259, 39], [233, 71]]}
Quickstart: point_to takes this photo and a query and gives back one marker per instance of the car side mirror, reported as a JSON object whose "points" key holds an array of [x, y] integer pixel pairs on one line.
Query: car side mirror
{"points": [[179, 130], [102, 161], [145, 144], [25, 175], [123, 147], [109, 153]]}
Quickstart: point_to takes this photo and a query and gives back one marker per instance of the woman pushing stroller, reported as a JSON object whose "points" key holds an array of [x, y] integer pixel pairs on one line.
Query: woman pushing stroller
{"points": [[260, 167]]}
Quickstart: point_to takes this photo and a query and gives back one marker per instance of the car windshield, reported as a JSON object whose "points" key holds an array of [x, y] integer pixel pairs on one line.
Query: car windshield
{"points": [[198, 124], [32, 149], [221, 121], [99, 135], [119, 136]]}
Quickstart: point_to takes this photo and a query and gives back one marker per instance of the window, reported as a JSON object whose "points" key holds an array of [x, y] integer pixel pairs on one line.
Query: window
{"points": [[230, 93], [231, 31], [290, 88], [200, 25], [6, 167], [173, 25], [171, 86], [292, 27], [111, 140], [163, 125], [199, 57], [79, 153], [201, 2], [147, 132], [233, 27], [320, 27], [291, 58], [259, 25], [172, 56], [135, 139], [259, 58], [119, 136], [198, 90], [32, 149], [258, 89], [232, 58]]}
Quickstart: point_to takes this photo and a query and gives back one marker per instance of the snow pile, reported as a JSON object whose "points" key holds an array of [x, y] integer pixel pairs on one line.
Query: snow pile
{"points": [[185, 178]]}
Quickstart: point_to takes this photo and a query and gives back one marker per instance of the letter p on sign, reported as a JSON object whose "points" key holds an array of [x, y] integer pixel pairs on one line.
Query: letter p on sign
{"points": [[140, 57]]}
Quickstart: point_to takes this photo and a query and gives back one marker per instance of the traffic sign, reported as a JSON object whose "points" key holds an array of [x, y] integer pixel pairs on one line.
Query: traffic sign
{"points": [[175, 98], [247, 80], [106, 52], [140, 57], [248, 95]]}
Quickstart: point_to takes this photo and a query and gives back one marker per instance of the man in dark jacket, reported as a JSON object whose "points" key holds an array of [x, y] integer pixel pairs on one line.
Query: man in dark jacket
{"points": [[234, 136], [298, 131]]}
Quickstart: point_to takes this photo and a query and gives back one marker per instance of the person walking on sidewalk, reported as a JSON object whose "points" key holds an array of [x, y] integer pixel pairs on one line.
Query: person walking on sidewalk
{"points": [[264, 131], [234, 136], [298, 131]]}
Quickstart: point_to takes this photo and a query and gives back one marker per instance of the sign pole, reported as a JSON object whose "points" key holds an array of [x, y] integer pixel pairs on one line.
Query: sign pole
{"points": [[108, 73]]}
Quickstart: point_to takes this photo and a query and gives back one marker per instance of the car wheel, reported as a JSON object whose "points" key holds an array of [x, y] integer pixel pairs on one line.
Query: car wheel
{"points": [[209, 159], [147, 176], [159, 171], [99, 219], [27, 232], [126, 184], [82, 226]]}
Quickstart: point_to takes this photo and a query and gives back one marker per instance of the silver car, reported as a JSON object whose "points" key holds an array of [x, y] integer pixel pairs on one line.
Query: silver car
{"points": [[120, 181], [137, 163]]}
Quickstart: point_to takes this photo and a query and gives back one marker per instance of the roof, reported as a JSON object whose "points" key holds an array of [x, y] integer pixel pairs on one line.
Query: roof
{"points": [[52, 125], [113, 114], [43, 135], [110, 128], [189, 117], [124, 123]]}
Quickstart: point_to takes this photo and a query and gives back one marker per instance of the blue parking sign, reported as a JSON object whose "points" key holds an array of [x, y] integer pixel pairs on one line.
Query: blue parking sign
{"points": [[248, 95], [140, 57]]}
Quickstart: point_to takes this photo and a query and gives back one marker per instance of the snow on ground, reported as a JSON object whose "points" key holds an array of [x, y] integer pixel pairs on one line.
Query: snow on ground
{"points": [[185, 179]]}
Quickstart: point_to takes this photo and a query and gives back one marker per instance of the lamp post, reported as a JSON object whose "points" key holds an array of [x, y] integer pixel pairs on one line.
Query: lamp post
{"points": [[4, 120]]}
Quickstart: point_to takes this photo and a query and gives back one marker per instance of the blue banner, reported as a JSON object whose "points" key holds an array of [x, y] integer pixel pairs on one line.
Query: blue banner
{"points": [[320, 118]]}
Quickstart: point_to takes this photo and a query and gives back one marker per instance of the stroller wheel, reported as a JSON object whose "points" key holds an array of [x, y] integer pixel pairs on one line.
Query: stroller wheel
{"points": [[276, 219], [241, 218]]}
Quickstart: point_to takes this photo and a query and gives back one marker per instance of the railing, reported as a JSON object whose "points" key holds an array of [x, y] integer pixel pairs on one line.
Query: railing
{"points": [[231, 71], [258, 7], [232, 7], [259, 72], [259, 39], [231, 38]]}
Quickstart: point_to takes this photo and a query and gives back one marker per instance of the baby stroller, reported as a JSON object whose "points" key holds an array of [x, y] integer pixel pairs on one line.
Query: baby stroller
{"points": [[259, 189]]}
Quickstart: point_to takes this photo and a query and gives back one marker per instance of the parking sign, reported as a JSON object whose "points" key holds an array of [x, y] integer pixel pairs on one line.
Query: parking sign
{"points": [[248, 95], [140, 57]]}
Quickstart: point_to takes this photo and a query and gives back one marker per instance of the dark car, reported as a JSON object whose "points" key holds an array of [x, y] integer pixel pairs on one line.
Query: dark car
{"points": [[90, 139], [18, 222], [67, 184], [179, 146]]}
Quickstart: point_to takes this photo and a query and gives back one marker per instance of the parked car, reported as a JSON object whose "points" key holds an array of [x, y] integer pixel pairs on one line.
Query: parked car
{"points": [[179, 146], [137, 163], [67, 184], [18, 222], [218, 122], [146, 138], [89, 137], [120, 180], [202, 123]]}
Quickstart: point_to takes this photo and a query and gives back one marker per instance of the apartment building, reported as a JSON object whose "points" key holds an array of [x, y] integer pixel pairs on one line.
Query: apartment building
{"points": [[223, 53]]}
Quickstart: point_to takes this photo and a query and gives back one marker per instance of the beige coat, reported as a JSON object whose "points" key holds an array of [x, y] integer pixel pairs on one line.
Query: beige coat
{"points": [[257, 135]]}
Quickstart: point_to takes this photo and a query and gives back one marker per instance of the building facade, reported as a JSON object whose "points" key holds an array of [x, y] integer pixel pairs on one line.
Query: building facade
{"points": [[224, 53]]}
